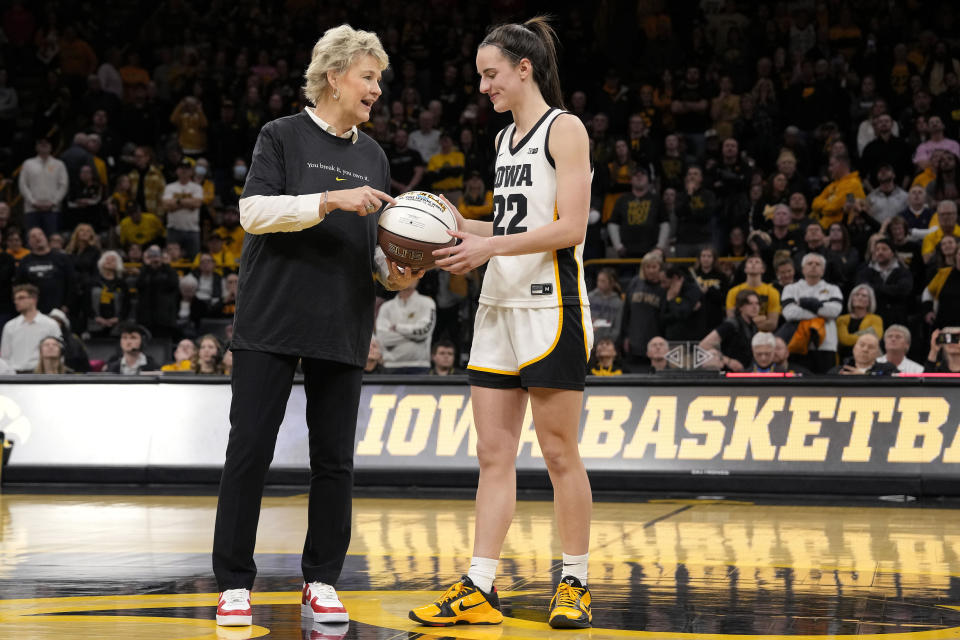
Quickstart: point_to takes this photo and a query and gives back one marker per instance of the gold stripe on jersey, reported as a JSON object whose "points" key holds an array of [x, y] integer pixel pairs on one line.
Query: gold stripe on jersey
{"points": [[556, 338], [489, 370]]}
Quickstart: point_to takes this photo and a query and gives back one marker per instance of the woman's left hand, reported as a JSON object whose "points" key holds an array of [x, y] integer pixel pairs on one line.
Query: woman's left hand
{"points": [[462, 258], [401, 279]]}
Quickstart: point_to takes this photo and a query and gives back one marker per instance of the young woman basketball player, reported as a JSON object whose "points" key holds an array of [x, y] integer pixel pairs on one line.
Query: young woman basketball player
{"points": [[533, 332]]}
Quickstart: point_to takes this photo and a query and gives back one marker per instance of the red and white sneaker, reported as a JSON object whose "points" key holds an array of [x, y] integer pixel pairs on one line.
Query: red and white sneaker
{"points": [[233, 609], [321, 603]]}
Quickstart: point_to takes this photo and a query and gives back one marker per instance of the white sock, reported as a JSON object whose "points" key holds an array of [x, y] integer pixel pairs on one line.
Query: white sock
{"points": [[575, 566], [482, 572]]}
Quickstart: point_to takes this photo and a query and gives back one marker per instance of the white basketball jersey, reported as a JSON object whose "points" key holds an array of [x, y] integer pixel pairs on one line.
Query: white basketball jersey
{"points": [[524, 198]]}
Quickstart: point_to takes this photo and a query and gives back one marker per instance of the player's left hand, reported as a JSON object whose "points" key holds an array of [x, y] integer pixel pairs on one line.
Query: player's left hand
{"points": [[462, 258], [402, 277]]}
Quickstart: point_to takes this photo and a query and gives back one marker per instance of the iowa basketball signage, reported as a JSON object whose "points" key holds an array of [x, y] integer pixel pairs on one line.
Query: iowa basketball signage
{"points": [[691, 429]]}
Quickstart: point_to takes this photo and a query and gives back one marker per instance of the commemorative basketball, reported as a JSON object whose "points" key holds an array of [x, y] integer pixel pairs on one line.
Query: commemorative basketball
{"points": [[414, 227]]}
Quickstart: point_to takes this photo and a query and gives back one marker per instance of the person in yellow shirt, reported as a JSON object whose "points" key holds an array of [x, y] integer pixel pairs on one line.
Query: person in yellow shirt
{"points": [[477, 200], [191, 124], [770, 308], [859, 319], [183, 356], [140, 228], [839, 197], [445, 169], [231, 231], [201, 175], [223, 258], [946, 217]]}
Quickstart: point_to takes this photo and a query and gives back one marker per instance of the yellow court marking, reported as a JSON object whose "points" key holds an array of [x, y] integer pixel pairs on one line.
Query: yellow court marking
{"points": [[385, 609]]}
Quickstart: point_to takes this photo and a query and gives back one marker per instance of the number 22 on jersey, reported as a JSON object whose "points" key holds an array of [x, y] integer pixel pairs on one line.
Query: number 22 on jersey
{"points": [[508, 213]]}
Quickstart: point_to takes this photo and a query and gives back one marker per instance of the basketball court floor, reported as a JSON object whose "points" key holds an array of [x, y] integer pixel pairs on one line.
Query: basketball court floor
{"points": [[138, 567]]}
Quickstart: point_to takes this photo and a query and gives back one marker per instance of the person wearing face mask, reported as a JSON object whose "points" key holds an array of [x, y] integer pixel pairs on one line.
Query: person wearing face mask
{"points": [[201, 176], [238, 179]]}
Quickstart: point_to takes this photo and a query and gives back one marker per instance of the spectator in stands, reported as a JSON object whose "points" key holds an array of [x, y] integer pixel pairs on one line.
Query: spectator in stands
{"points": [[606, 305], [223, 259], [426, 139], [445, 170], [840, 253], [923, 156], [947, 225], [227, 306], [730, 181], [157, 288], [190, 308], [209, 357], [887, 199], [605, 361], [620, 170], [14, 245], [769, 314], [695, 211], [657, 350], [132, 360], [22, 334], [442, 357], [209, 283], [146, 181], [941, 297], [815, 298], [182, 201], [944, 356], [781, 357], [231, 231], [890, 280], [734, 335], [404, 326], [407, 166], [191, 124], [638, 222], [864, 360], [887, 149], [713, 286], [477, 201], [85, 202], [682, 301], [183, 356], [374, 364], [50, 358], [43, 183], [946, 185], [138, 227], [51, 272], [896, 343], [642, 311], [763, 345], [859, 319], [917, 214], [110, 300], [837, 199], [785, 271], [782, 238], [672, 166]]}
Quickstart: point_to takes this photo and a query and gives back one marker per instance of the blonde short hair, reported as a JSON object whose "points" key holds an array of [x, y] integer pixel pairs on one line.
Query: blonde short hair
{"points": [[336, 51]]}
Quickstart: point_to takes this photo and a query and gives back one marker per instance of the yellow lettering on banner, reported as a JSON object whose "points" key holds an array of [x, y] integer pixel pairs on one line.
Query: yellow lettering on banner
{"points": [[380, 407], [920, 418], [952, 454], [406, 442], [451, 431], [603, 435], [529, 435], [752, 428], [861, 411], [802, 425], [713, 430], [657, 426]]}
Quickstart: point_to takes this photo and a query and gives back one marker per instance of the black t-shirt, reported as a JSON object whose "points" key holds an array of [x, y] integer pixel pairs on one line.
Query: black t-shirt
{"points": [[310, 293], [53, 274], [639, 221], [403, 163], [735, 337]]}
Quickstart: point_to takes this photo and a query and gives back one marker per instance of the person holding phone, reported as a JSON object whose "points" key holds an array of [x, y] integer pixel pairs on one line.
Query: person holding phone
{"points": [[944, 356]]}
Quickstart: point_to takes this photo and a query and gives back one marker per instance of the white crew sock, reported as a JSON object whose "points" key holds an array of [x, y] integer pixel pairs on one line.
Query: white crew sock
{"points": [[482, 572], [575, 566]]}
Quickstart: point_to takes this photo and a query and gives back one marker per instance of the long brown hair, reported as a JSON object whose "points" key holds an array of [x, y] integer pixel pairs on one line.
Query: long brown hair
{"points": [[516, 44]]}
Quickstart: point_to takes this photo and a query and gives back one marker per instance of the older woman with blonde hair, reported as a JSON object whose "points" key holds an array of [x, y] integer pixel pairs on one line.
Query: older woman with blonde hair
{"points": [[860, 318], [306, 296]]}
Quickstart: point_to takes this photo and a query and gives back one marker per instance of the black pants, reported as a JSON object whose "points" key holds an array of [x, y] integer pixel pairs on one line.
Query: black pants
{"points": [[261, 386]]}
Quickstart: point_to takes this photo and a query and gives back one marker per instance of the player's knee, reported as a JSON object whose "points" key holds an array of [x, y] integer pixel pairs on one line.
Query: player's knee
{"points": [[558, 453], [493, 452]]}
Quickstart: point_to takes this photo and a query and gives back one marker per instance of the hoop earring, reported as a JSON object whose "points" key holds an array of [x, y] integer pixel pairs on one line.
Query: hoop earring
{"points": [[336, 94]]}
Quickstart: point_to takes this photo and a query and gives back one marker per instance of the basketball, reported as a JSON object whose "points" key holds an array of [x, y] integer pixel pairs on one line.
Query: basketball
{"points": [[414, 227]]}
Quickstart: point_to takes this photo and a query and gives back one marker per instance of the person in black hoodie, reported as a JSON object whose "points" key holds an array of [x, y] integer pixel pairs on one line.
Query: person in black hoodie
{"points": [[157, 289], [642, 311], [682, 300]]}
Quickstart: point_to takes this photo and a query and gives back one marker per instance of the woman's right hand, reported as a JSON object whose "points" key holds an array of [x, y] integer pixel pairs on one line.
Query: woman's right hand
{"points": [[362, 200]]}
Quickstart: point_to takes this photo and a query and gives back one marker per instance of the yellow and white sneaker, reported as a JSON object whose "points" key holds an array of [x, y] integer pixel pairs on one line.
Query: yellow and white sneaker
{"points": [[463, 603], [570, 606]]}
